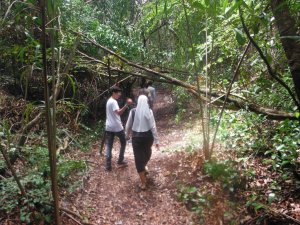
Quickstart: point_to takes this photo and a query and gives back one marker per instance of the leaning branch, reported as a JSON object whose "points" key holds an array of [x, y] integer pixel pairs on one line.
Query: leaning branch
{"points": [[164, 78], [11, 168], [228, 93], [270, 70]]}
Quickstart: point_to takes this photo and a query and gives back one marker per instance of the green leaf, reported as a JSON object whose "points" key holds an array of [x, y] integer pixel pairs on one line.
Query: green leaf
{"points": [[239, 36], [269, 58], [197, 5], [255, 28], [258, 206], [227, 9], [71, 79], [271, 198]]}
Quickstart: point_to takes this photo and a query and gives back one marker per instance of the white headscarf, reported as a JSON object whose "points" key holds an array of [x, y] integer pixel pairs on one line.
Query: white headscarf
{"points": [[143, 119]]}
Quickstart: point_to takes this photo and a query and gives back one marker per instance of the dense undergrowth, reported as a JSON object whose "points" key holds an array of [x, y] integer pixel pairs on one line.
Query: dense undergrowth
{"points": [[256, 168], [32, 167]]}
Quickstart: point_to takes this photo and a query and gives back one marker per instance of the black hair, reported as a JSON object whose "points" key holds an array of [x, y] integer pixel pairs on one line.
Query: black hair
{"points": [[150, 82], [115, 89]]}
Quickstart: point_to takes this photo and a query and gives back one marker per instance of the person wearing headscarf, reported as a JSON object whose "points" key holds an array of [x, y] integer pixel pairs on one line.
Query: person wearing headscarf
{"points": [[141, 124]]}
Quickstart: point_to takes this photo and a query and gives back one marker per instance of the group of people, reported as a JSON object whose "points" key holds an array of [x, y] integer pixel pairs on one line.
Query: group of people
{"points": [[140, 127]]}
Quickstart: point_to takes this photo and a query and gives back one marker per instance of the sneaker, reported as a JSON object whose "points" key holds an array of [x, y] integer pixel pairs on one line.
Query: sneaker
{"points": [[122, 164]]}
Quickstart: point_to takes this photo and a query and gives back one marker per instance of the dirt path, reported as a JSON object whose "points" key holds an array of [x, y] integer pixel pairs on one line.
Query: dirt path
{"points": [[115, 198]]}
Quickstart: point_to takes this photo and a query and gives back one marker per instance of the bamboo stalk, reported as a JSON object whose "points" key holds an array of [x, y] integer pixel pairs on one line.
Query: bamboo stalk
{"points": [[49, 121]]}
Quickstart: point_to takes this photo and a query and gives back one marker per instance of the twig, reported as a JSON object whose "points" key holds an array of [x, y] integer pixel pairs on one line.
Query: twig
{"points": [[109, 89], [284, 215], [72, 213], [72, 218], [75, 214], [91, 58], [88, 161]]}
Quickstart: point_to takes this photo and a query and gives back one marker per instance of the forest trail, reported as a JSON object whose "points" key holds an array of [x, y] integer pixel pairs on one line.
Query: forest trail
{"points": [[115, 198]]}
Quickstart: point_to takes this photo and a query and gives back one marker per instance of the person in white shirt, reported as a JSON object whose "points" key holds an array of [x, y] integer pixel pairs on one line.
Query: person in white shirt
{"points": [[114, 127], [152, 95], [142, 124]]}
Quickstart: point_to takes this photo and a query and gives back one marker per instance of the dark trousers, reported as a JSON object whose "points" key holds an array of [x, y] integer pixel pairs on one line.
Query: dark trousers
{"points": [[142, 151], [109, 141]]}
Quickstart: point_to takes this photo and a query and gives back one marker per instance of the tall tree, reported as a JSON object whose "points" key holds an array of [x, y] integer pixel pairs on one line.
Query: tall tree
{"points": [[289, 32]]}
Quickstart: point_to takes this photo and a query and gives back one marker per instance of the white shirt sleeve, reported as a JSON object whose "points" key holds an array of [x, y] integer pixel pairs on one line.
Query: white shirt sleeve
{"points": [[115, 106], [128, 125]]}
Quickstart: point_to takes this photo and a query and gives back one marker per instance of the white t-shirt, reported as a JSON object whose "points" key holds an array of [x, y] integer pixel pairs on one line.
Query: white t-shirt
{"points": [[113, 121], [152, 93]]}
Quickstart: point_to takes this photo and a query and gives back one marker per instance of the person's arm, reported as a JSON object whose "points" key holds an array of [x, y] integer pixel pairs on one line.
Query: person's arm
{"points": [[116, 109], [122, 110], [128, 126], [155, 135], [154, 132]]}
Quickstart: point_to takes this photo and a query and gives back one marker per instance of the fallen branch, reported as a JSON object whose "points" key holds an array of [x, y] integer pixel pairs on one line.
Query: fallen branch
{"points": [[163, 78], [283, 215], [72, 218], [77, 215]]}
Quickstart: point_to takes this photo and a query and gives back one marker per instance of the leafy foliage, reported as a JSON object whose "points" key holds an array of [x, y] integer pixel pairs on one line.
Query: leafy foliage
{"points": [[249, 132], [194, 199], [228, 173]]}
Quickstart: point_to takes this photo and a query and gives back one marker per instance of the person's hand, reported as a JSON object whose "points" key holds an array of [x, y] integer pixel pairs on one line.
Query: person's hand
{"points": [[129, 101]]}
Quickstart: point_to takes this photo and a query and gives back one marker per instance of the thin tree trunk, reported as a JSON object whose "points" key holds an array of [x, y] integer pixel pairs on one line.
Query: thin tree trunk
{"points": [[49, 122], [202, 111]]}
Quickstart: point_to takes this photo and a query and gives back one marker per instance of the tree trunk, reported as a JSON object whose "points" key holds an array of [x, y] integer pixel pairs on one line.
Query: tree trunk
{"points": [[287, 28]]}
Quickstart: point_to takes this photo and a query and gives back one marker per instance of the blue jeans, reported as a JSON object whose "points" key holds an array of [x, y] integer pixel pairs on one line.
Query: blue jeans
{"points": [[109, 141]]}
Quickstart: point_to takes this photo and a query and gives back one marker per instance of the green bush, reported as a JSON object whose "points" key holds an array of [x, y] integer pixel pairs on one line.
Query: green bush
{"points": [[247, 132], [226, 172], [194, 200], [286, 142], [37, 184]]}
